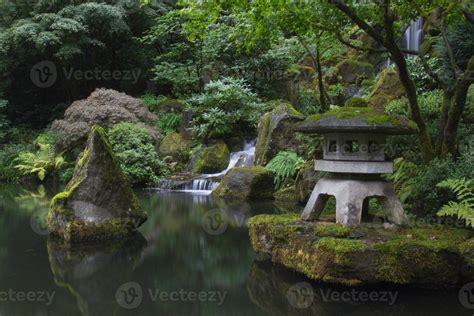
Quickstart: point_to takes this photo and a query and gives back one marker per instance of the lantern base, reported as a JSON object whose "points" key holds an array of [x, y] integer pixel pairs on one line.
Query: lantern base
{"points": [[350, 197]]}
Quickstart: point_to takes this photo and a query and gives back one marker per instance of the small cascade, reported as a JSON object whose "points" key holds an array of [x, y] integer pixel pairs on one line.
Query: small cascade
{"points": [[206, 183], [414, 35]]}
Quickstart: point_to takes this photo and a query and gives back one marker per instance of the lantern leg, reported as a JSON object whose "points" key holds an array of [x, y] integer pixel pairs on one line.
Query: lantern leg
{"points": [[316, 203], [392, 206]]}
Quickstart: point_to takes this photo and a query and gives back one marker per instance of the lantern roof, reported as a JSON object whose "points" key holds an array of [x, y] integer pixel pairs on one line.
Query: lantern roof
{"points": [[357, 120]]}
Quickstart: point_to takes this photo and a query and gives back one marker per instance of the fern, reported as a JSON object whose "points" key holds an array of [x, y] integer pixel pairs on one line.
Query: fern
{"points": [[403, 178], [284, 166], [41, 163], [464, 207]]}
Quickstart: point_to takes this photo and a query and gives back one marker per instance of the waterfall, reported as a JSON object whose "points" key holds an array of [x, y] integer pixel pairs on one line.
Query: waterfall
{"points": [[206, 183], [414, 35]]}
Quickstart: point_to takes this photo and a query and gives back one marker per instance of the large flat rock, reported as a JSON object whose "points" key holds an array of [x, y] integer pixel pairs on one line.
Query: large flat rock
{"points": [[434, 257]]}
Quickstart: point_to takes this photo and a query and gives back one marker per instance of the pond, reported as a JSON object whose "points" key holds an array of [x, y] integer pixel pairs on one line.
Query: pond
{"points": [[193, 257]]}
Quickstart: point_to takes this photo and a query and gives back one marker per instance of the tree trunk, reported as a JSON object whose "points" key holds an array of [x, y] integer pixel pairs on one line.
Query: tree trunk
{"points": [[457, 107], [448, 95], [322, 91]]}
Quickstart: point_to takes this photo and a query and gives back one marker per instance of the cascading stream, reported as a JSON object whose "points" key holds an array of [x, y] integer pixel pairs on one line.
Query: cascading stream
{"points": [[206, 183]]}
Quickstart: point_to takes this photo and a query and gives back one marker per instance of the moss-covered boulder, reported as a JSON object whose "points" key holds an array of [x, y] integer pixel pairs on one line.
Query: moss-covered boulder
{"points": [[357, 102], [353, 71], [174, 146], [212, 159], [387, 88], [98, 202], [276, 132], [426, 257], [246, 183]]}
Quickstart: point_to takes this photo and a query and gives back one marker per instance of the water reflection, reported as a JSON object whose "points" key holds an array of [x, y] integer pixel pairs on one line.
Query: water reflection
{"points": [[93, 273], [278, 291]]}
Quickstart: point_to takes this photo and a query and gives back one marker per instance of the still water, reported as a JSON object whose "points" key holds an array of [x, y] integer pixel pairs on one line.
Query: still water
{"points": [[193, 257]]}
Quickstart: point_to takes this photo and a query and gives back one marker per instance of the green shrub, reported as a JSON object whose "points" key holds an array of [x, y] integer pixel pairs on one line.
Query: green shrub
{"points": [[308, 101], [357, 102], [285, 166], [227, 107], [134, 148], [169, 122], [423, 81]]}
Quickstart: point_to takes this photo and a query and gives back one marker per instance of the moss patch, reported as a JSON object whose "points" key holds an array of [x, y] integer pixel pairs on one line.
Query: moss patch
{"points": [[212, 159]]}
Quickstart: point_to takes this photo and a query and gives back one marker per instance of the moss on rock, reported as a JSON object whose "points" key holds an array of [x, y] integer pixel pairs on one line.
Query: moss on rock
{"points": [[212, 159], [357, 102], [276, 131], [387, 88], [353, 72], [175, 146], [246, 183], [426, 257]]}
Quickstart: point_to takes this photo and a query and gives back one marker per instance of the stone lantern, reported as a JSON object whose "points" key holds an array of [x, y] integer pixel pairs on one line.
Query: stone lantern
{"points": [[354, 158]]}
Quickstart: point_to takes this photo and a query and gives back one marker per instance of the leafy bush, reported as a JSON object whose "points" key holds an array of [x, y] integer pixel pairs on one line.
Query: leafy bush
{"points": [[464, 208], [285, 166], [44, 161], [227, 107], [308, 101], [135, 150], [169, 122]]}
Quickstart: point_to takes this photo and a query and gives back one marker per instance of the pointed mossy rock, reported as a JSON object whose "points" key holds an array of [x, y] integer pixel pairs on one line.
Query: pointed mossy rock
{"points": [[98, 203], [246, 183], [428, 257]]}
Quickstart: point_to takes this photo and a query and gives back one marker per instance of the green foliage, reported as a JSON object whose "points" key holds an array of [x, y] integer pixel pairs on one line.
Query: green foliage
{"points": [[152, 101], [44, 161], [464, 208], [169, 122], [4, 122], [423, 81], [227, 107], [308, 101], [134, 148], [285, 166], [8, 155], [417, 184]]}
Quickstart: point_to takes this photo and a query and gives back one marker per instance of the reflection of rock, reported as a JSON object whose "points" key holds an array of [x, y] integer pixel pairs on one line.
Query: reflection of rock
{"points": [[276, 290], [246, 183], [93, 273], [98, 202]]}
